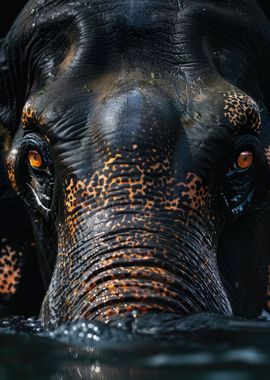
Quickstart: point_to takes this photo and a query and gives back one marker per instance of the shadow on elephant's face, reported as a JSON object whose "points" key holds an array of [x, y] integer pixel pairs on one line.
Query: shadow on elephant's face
{"points": [[147, 186]]}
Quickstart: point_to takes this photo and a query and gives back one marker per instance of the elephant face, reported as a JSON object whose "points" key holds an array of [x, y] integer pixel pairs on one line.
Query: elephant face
{"points": [[140, 145]]}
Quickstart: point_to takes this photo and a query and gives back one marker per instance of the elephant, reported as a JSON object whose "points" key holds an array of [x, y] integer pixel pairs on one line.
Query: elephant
{"points": [[135, 150]]}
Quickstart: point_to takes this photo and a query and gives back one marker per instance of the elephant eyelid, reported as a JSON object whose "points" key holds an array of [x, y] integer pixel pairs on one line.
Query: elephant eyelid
{"points": [[31, 128]]}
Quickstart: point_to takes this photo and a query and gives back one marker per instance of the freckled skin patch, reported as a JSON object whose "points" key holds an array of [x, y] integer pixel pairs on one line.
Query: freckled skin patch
{"points": [[267, 154], [29, 117], [242, 111], [10, 163], [126, 263], [10, 273], [135, 182]]}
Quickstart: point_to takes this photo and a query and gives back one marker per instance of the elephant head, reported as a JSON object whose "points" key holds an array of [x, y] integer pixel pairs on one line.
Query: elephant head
{"points": [[138, 137]]}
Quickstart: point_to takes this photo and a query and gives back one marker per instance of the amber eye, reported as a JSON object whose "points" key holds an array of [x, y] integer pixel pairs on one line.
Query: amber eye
{"points": [[245, 160], [35, 159]]}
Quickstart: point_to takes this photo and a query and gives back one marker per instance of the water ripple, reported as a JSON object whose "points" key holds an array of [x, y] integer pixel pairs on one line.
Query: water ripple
{"points": [[157, 346]]}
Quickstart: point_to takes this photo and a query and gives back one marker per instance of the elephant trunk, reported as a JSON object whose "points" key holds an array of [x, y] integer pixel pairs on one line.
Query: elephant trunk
{"points": [[112, 273], [132, 238]]}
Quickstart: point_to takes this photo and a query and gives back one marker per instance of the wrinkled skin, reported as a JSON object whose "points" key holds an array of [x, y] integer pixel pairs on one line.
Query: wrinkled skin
{"points": [[138, 113]]}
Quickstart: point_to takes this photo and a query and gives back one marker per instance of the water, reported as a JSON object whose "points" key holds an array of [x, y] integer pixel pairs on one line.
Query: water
{"points": [[202, 346]]}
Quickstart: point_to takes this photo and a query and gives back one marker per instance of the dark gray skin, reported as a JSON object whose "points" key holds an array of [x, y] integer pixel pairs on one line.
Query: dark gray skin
{"points": [[137, 134]]}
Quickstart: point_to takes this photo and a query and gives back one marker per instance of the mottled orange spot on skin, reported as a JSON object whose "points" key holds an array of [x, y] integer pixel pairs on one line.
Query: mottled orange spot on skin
{"points": [[267, 154], [108, 313], [10, 274], [196, 192], [29, 117], [10, 163], [136, 184], [242, 111], [111, 160]]}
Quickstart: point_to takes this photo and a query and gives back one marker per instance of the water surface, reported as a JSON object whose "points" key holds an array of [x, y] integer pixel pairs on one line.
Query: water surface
{"points": [[202, 346]]}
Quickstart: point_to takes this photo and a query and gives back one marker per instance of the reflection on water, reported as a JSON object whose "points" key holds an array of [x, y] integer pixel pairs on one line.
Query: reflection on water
{"points": [[202, 346]]}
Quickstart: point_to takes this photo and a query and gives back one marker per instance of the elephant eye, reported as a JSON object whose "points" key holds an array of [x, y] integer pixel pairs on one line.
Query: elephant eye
{"points": [[244, 160], [35, 160], [32, 171]]}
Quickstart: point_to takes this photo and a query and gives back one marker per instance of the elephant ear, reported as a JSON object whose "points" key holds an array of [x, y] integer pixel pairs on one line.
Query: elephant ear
{"points": [[25, 68], [265, 6], [21, 291], [243, 259], [244, 246]]}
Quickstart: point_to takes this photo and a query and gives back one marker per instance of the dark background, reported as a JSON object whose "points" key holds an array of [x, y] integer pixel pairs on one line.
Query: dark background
{"points": [[8, 14]]}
